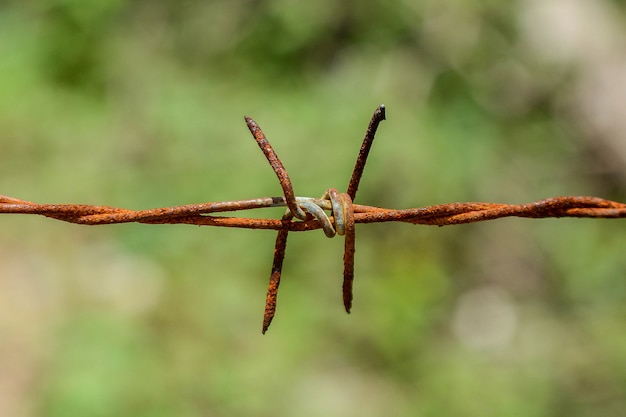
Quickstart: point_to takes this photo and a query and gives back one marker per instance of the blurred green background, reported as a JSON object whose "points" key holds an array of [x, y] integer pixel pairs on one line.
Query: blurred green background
{"points": [[140, 104]]}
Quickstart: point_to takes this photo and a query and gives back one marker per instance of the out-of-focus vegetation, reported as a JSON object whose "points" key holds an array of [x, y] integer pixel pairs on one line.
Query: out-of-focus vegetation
{"points": [[140, 104]]}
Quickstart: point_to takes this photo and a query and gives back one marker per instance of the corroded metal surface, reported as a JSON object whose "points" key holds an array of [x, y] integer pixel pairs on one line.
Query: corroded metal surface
{"points": [[305, 213]]}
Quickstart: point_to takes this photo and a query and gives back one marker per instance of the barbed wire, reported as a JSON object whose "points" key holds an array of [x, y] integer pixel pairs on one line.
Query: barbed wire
{"points": [[306, 213]]}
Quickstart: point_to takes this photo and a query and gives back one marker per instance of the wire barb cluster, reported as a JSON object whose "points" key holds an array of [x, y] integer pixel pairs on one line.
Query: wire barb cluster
{"points": [[305, 213]]}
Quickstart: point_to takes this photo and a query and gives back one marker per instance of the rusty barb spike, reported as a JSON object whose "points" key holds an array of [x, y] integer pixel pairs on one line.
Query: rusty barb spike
{"points": [[342, 221], [334, 213]]}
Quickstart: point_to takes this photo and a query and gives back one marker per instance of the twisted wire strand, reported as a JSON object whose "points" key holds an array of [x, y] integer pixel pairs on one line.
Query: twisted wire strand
{"points": [[335, 213], [199, 214]]}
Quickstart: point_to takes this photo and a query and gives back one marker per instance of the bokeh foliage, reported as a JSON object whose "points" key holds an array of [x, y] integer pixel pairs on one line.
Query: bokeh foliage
{"points": [[139, 104]]}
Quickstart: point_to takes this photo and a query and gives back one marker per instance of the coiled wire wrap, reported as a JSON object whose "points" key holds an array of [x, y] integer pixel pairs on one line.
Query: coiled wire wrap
{"points": [[333, 201]]}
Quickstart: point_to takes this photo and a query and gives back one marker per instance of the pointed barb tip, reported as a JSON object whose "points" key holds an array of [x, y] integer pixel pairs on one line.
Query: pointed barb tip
{"points": [[381, 110]]}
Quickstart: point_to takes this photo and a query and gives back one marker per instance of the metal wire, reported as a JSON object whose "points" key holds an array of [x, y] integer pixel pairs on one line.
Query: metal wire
{"points": [[305, 213]]}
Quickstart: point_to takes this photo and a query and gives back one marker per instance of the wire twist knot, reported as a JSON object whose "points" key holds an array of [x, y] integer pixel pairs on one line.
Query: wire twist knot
{"points": [[337, 203]]}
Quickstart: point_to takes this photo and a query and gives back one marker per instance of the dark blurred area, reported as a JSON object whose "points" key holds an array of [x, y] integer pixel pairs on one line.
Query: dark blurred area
{"points": [[139, 104]]}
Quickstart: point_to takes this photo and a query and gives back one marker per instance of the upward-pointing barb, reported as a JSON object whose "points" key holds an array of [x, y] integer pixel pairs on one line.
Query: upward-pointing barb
{"points": [[359, 166], [277, 166]]}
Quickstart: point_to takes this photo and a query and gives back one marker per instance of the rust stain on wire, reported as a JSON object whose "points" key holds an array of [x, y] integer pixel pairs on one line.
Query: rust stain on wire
{"points": [[305, 213]]}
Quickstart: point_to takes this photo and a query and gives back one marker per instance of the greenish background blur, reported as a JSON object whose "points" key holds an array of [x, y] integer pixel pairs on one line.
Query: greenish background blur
{"points": [[140, 104]]}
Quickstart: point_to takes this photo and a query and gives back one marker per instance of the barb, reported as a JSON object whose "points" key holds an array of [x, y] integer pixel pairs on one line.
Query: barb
{"points": [[305, 213], [348, 252], [277, 166], [277, 267], [359, 166]]}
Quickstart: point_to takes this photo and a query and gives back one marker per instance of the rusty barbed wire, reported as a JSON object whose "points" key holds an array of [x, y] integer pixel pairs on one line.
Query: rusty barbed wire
{"points": [[306, 213]]}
